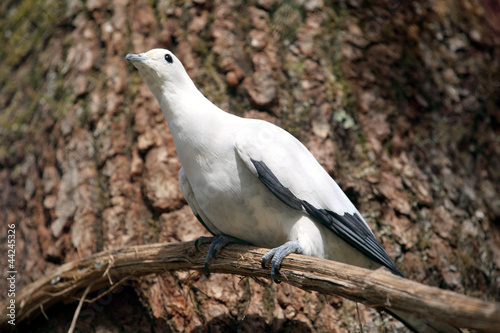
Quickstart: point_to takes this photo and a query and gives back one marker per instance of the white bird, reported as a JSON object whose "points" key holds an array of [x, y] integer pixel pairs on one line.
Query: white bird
{"points": [[250, 181]]}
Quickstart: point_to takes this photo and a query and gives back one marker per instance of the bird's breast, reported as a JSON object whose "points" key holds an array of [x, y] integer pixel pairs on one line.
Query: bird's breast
{"points": [[237, 203]]}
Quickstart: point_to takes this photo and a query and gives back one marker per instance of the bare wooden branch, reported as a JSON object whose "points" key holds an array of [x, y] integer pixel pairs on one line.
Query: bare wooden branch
{"points": [[377, 288]]}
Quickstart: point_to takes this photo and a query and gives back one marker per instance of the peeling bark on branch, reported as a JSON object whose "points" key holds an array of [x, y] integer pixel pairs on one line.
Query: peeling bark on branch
{"points": [[377, 288]]}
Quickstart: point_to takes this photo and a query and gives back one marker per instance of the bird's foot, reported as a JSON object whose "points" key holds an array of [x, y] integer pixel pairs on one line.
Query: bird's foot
{"points": [[216, 244], [278, 254], [203, 240]]}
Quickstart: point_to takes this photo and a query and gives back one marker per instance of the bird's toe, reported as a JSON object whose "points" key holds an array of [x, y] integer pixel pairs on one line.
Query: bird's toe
{"points": [[278, 254], [203, 240], [266, 257], [217, 243]]}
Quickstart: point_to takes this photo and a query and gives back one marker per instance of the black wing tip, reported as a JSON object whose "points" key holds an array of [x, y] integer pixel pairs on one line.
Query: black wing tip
{"points": [[350, 227], [383, 257]]}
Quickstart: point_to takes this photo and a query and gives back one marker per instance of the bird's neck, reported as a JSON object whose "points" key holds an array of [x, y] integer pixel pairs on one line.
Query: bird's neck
{"points": [[186, 110], [194, 121]]}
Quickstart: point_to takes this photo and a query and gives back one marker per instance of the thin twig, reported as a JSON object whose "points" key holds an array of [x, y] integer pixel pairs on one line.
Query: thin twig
{"points": [[79, 308], [109, 290]]}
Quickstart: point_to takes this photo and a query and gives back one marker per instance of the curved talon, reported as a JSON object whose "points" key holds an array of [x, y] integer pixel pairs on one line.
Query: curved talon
{"points": [[275, 271], [278, 254], [207, 269], [217, 243]]}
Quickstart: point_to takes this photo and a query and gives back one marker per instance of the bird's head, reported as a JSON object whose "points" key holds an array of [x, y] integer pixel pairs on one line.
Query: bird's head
{"points": [[160, 69]]}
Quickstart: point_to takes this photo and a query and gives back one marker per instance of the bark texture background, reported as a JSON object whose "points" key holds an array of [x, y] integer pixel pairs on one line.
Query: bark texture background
{"points": [[399, 102]]}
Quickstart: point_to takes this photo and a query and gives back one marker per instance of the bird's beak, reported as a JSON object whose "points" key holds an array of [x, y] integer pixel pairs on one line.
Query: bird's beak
{"points": [[136, 57]]}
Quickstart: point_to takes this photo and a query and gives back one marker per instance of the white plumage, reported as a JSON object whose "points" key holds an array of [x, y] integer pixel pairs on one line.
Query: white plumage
{"points": [[253, 181]]}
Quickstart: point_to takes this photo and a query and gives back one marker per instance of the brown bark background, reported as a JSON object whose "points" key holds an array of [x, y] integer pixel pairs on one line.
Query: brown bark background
{"points": [[399, 102]]}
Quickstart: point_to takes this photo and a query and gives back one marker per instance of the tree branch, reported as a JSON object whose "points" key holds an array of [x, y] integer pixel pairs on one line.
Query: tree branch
{"points": [[377, 288]]}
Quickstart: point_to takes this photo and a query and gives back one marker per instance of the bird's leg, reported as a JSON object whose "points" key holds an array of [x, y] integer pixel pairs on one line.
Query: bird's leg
{"points": [[216, 244], [278, 254]]}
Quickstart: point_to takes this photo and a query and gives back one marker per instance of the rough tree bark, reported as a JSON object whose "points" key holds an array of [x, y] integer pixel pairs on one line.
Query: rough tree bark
{"points": [[399, 102]]}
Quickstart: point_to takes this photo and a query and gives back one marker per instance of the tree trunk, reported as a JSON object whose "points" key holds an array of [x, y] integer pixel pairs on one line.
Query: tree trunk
{"points": [[399, 101]]}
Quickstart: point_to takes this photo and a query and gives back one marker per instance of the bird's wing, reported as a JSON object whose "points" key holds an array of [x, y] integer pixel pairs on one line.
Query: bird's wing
{"points": [[193, 203], [287, 168]]}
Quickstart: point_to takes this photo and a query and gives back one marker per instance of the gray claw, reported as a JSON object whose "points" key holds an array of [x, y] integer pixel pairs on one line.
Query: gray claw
{"points": [[203, 240], [217, 243], [278, 254]]}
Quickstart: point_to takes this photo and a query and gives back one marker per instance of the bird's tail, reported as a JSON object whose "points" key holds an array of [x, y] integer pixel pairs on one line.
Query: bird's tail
{"points": [[420, 325]]}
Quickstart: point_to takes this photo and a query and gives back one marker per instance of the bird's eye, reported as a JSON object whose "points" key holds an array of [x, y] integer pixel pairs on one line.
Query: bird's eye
{"points": [[169, 58]]}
